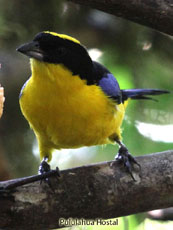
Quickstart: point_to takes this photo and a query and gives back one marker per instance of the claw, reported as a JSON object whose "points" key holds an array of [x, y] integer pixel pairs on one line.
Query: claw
{"points": [[127, 159], [44, 168]]}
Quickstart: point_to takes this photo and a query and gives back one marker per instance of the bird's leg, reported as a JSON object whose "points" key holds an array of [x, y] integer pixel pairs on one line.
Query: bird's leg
{"points": [[45, 168], [126, 158]]}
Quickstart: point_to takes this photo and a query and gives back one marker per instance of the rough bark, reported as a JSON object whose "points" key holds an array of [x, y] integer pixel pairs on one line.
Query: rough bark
{"points": [[93, 191], [157, 14]]}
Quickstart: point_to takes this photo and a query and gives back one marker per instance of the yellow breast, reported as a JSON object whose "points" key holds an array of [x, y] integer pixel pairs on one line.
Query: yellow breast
{"points": [[64, 112]]}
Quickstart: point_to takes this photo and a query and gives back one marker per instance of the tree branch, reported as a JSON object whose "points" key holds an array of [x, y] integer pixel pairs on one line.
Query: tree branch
{"points": [[92, 191], [157, 14]]}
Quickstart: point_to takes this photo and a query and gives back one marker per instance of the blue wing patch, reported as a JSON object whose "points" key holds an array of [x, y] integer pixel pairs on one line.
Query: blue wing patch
{"points": [[110, 86], [21, 91]]}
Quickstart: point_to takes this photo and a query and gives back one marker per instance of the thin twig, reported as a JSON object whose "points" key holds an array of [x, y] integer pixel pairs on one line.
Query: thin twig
{"points": [[31, 179]]}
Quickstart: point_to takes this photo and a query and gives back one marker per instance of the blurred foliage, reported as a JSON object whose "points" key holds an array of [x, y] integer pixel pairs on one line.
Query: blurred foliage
{"points": [[138, 56]]}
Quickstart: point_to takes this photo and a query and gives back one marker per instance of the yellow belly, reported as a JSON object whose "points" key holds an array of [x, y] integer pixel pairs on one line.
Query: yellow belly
{"points": [[64, 112]]}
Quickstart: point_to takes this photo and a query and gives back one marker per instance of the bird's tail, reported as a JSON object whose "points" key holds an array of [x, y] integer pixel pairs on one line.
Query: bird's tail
{"points": [[141, 93]]}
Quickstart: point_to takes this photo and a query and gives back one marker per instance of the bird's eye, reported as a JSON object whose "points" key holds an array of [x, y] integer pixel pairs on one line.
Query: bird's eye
{"points": [[62, 51], [36, 44]]}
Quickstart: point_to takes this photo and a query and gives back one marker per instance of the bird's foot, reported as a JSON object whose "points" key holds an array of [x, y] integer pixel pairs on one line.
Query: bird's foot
{"points": [[45, 168], [127, 159]]}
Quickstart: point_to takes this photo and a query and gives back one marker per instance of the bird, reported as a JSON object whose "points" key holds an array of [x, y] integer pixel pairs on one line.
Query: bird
{"points": [[71, 101]]}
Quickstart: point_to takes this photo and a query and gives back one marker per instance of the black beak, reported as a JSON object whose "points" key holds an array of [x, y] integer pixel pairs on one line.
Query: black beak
{"points": [[31, 50]]}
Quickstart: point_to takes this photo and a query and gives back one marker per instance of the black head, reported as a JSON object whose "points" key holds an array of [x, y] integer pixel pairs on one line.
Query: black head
{"points": [[56, 48]]}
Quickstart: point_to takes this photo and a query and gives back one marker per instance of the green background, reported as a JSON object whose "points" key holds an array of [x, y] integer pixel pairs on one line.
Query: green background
{"points": [[139, 58]]}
